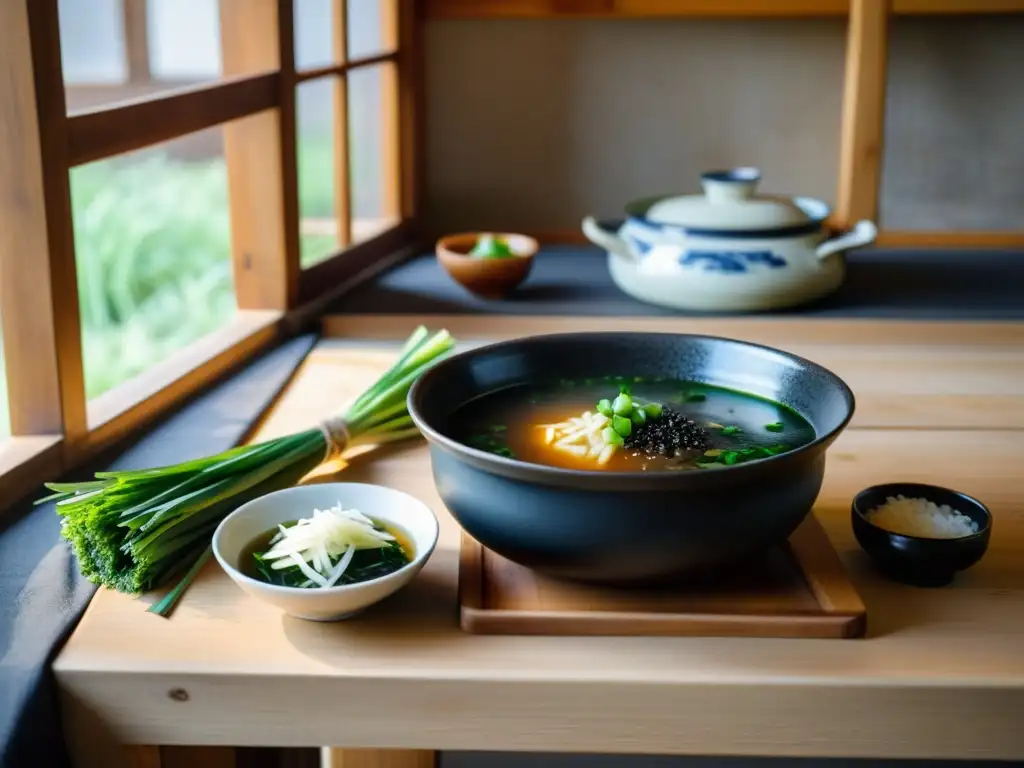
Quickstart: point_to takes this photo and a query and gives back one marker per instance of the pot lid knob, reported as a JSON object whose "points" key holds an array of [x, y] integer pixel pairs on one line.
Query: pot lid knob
{"points": [[729, 202], [733, 185]]}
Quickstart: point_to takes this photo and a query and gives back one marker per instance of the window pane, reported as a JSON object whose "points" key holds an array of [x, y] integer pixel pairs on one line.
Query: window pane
{"points": [[153, 252], [314, 42], [165, 45], [318, 225], [372, 145], [92, 41], [368, 21], [184, 39]]}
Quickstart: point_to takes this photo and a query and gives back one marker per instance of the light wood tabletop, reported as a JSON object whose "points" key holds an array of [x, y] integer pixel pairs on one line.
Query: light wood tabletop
{"points": [[940, 675]]}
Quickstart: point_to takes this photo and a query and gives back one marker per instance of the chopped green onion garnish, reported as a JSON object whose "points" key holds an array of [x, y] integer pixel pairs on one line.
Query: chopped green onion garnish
{"points": [[604, 407], [611, 436], [638, 416], [653, 410], [623, 405], [622, 425], [731, 430], [776, 426], [730, 457]]}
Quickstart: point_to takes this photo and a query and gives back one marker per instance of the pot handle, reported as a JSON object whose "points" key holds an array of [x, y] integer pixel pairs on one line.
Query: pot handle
{"points": [[863, 232], [610, 241]]}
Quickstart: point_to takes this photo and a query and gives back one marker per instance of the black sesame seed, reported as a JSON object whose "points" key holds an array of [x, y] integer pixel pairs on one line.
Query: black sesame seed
{"points": [[670, 435]]}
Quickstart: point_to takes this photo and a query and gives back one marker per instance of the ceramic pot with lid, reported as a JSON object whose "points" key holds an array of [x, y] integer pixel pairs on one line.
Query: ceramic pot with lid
{"points": [[729, 249]]}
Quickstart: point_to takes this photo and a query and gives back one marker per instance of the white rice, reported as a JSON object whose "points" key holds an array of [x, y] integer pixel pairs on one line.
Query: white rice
{"points": [[920, 517]]}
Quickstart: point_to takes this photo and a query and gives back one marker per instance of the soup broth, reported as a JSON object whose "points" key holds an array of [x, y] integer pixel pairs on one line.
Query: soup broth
{"points": [[685, 425]]}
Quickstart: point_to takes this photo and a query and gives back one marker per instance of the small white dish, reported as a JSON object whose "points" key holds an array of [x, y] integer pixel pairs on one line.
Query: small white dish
{"points": [[237, 531]]}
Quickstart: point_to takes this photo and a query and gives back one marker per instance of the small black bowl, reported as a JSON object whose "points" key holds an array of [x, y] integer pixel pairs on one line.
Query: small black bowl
{"points": [[915, 560]]}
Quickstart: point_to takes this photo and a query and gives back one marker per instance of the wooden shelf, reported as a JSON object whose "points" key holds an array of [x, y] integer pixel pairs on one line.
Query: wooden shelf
{"points": [[472, 9]]}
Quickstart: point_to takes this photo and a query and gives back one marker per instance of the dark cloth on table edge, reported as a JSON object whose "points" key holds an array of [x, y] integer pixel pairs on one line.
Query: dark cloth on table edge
{"points": [[42, 594]]}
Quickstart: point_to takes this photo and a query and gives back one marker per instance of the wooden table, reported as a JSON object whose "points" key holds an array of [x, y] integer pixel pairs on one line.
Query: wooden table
{"points": [[941, 674]]}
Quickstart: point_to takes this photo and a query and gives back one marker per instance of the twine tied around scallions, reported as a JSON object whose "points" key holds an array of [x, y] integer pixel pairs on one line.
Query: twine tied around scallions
{"points": [[136, 530]]}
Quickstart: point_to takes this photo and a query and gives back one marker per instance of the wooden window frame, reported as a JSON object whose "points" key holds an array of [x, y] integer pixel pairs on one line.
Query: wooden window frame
{"points": [[53, 426], [402, 73]]}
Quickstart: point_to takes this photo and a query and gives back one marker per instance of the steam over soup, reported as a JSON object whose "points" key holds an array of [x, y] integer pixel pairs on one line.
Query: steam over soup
{"points": [[630, 424]]}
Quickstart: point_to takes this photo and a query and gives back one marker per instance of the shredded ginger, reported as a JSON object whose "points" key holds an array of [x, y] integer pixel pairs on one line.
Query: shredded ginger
{"points": [[328, 535], [581, 436]]}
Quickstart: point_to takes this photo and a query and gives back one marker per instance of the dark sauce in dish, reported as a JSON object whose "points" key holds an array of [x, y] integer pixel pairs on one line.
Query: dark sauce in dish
{"points": [[366, 564]]}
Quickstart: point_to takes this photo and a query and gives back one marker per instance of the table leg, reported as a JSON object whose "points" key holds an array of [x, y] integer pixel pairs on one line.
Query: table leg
{"points": [[335, 757]]}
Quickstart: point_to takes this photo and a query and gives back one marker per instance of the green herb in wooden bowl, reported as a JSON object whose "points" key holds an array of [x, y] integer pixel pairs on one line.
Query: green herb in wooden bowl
{"points": [[490, 246]]}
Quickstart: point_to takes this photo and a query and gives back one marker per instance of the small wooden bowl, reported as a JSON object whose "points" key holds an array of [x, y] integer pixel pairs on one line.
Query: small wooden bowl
{"points": [[487, 278]]}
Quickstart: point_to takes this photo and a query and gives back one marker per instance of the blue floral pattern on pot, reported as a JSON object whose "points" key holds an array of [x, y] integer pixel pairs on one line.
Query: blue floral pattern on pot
{"points": [[730, 261], [642, 246]]}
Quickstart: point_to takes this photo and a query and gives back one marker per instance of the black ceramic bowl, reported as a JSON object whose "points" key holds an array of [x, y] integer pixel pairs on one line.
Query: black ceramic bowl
{"points": [[912, 559], [627, 527]]}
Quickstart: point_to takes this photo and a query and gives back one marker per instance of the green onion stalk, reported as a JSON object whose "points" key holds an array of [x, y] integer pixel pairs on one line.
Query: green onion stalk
{"points": [[137, 530]]}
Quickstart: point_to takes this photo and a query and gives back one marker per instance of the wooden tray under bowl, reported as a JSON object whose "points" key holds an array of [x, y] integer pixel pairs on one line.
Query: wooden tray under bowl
{"points": [[797, 590]]}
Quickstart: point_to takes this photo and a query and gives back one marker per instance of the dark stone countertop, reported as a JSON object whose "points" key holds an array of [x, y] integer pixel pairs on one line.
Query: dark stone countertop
{"points": [[574, 280]]}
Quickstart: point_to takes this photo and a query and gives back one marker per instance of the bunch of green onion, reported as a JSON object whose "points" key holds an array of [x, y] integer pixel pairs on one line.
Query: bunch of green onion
{"points": [[135, 530]]}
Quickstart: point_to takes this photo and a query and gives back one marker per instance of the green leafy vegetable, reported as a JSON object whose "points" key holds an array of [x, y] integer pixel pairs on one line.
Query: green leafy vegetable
{"points": [[366, 564], [134, 530], [729, 457]]}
